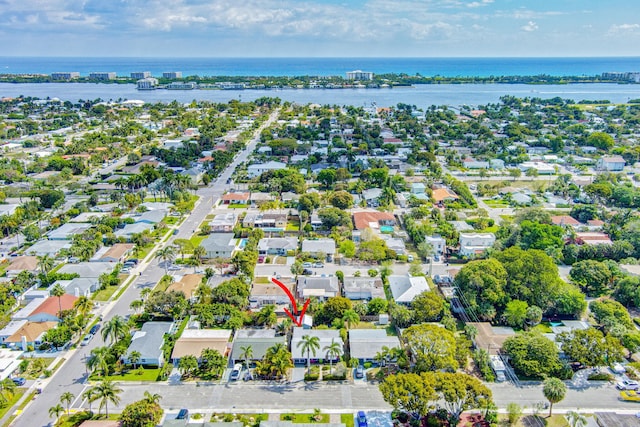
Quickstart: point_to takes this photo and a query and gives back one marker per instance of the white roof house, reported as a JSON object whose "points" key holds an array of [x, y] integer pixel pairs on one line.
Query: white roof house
{"points": [[326, 336], [364, 344], [473, 243], [405, 288], [259, 169]]}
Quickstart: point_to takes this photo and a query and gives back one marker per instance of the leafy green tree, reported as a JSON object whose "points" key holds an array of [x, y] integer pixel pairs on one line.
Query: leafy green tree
{"points": [[515, 314], [212, 363], [407, 392], [514, 412], [554, 391], [534, 235], [326, 177], [142, 413], [482, 284], [334, 217], [432, 347], [594, 277], [459, 392], [601, 140], [377, 306], [341, 200], [609, 313], [428, 307], [627, 291], [590, 347], [532, 354]]}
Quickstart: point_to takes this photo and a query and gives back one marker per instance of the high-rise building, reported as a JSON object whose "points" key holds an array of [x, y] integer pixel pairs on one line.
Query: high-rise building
{"points": [[65, 75], [141, 75], [359, 75], [102, 76], [172, 75]]}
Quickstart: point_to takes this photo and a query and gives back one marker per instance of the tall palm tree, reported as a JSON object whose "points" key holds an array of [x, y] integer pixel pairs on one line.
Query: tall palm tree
{"points": [[350, 318], [134, 358], [167, 255], [309, 345], [334, 350], [246, 354], [199, 252], [45, 263], [66, 398], [83, 305], [115, 329], [55, 411], [136, 305], [554, 390], [57, 291], [98, 360], [107, 391], [90, 395]]}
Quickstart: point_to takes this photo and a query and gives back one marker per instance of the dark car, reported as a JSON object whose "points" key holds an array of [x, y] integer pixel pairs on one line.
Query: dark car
{"points": [[183, 414], [307, 272], [95, 328], [360, 371], [19, 381], [362, 419], [133, 261]]}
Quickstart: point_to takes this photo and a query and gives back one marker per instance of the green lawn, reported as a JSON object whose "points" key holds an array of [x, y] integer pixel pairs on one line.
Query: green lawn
{"points": [[131, 375], [496, 203], [304, 418], [16, 396], [237, 206], [105, 294], [492, 229], [291, 226], [196, 239], [246, 419], [261, 280], [347, 420]]}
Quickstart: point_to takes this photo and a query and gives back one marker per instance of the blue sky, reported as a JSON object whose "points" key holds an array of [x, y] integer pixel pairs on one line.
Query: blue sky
{"points": [[312, 28]]}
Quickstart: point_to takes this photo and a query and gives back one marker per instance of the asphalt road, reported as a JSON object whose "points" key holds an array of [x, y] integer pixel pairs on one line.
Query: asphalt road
{"points": [[72, 375]]}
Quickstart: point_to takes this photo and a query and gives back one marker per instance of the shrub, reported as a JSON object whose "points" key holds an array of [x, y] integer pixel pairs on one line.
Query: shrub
{"points": [[600, 376]]}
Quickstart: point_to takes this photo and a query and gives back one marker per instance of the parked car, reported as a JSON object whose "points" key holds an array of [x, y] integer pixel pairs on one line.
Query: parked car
{"points": [[307, 272], [183, 414], [132, 260], [362, 419], [618, 369], [95, 328], [19, 381], [235, 373], [627, 385], [410, 258], [174, 268], [318, 265], [307, 265], [360, 371]]}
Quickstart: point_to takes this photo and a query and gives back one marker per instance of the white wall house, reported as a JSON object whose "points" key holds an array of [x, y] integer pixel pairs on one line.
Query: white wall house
{"points": [[611, 163], [474, 243]]}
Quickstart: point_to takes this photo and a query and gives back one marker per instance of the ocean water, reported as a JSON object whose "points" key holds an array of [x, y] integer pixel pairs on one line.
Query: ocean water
{"points": [[448, 67], [421, 96]]}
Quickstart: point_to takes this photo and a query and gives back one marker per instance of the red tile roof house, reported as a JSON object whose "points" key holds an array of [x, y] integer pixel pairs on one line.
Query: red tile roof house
{"points": [[235, 199], [565, 221], [49, 310]]}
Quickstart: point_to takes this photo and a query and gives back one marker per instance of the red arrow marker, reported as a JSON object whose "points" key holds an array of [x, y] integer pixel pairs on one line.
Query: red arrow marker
{"points": [[297, 319]]}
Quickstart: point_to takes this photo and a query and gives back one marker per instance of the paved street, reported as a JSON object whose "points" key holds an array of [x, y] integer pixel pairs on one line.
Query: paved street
{"points": [[71, 376]]}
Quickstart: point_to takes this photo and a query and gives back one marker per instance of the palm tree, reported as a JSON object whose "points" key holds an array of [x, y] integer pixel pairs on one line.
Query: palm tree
{"points": [[554, 390], [282, 328], [57, 291], [99, 360], [55, 411], [90, 396], [136, 305], [350, 317], [199, 252], [309, 345], [7, 389], [83, 305], [115, 329], [45, 263], [107, 391], [66, 398], [152, 398], [167, 255], [334, 351], [134, 357], [576, 419], [246, 354]]}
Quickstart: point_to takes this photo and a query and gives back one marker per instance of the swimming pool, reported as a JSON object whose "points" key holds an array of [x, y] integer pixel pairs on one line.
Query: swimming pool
{"points": [[386, 229]]}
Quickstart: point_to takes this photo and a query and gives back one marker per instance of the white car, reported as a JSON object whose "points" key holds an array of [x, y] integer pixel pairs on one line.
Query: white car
{"points": [[627, 385], [87, 338]]}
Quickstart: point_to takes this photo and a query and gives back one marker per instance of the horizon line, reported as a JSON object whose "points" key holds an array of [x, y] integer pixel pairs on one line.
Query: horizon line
{"points": [[327, 57]]}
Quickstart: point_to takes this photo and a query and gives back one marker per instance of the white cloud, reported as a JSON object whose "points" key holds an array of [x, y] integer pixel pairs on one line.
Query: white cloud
{"points": [[623, 28], [529, 27]]}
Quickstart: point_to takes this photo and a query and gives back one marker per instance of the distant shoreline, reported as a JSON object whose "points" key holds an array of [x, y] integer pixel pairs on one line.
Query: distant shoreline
{"points": [[316, 82]]}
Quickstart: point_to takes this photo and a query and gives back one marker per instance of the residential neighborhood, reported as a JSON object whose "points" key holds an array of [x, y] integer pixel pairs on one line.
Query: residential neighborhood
{"points": [[176, 245]]}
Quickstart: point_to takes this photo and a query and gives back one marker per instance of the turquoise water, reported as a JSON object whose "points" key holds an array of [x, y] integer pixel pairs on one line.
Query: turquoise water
{"points": [[449, 67], [386, 229]]}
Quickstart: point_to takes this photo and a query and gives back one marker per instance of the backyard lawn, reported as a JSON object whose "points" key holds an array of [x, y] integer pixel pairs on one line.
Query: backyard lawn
{"points": [[104, 294], [139, 374]]}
